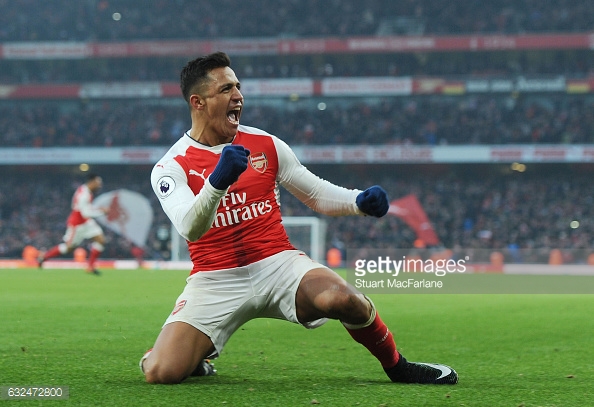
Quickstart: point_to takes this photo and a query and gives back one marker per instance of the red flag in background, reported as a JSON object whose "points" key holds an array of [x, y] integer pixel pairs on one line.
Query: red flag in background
{"points": [[409, 209]]}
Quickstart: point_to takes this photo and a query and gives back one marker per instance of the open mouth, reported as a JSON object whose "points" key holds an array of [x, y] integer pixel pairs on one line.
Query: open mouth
{"points": [[233, 115]]}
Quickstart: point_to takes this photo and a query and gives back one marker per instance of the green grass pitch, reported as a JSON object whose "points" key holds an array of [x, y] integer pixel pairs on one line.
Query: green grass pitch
{"points": [[66, 328]]}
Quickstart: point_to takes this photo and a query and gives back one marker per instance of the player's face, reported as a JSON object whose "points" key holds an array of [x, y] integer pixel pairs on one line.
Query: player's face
{"points": [[96, 184], [223, 103]]}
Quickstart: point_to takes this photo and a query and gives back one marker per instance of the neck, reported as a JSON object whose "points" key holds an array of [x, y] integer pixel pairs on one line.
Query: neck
{"points": [[208, 140]]}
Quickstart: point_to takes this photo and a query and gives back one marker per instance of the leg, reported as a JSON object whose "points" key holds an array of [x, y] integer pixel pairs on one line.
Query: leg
{"points": [[178, 350], [57, 250], [208, 304], [324, 294], [97, 248], [72, 238]]}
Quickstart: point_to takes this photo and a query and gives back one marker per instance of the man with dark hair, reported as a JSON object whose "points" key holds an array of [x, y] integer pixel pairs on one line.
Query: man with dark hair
{"points": [[219, 185], [81, 225]]}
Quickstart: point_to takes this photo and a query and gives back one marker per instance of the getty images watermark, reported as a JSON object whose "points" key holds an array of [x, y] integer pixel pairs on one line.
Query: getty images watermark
{"points": [[469, 271], [386, 273]]}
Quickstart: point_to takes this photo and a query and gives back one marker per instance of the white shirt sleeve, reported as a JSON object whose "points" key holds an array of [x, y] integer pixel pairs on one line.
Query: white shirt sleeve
{"points": [[318, 194], [84, 204], [192, 215]]}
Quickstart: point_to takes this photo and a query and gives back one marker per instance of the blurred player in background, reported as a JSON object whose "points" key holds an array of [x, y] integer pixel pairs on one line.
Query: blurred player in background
{"points": [[81, 225], [219, 186]]}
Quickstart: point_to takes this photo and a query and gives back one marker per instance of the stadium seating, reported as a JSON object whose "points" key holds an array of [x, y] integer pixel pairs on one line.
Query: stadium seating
{"points": [[469, 206], [103, 20], [437, 120], [474, 208]]}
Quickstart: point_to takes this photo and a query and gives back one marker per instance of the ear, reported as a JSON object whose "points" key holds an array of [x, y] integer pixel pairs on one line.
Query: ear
{"points": [[197, 102]]}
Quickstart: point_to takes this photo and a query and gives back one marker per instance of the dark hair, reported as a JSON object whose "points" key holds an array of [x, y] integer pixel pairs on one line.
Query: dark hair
{"points": [[91, 176], [195, 73]]}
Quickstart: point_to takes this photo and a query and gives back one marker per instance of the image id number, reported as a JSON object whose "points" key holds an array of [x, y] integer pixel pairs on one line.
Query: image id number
{"points": [[34, 392]]}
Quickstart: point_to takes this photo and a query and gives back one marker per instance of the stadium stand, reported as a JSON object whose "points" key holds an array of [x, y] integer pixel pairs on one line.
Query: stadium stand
{"points": [[422, 120], [474, 207], [97, 75], [96, 20]]}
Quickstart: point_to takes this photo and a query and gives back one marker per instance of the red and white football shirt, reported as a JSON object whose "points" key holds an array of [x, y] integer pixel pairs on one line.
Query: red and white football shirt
{"points": [[243, 224], [82, 207]]}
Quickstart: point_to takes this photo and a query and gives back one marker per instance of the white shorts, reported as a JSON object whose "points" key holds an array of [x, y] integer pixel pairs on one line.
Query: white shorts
{"points": [[218, 302], [75, 235]]}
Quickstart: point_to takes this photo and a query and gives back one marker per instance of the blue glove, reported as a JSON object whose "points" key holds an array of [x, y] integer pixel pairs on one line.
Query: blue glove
{"points": [[373, 201], [233, 162]]}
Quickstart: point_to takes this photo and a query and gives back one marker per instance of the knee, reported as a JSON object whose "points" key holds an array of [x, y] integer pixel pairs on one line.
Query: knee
{"points": [[347, 307], [157, 373]]}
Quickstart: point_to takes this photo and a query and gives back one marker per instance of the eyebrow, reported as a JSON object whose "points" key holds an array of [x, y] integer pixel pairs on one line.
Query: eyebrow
{"points": [[229, 85]]}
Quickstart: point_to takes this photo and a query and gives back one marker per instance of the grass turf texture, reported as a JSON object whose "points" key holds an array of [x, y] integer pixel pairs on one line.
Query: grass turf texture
{"points": [[63, 327]]}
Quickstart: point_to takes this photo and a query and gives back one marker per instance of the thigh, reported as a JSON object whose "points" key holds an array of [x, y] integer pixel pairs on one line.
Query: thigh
{"points": [[73, 236], [176, 353], [277, 279], [215, 303], [90, 229], [100, 238]]}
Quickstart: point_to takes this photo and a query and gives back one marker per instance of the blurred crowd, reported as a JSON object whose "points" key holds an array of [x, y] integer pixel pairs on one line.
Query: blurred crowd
{"points": [[435, 121], [452, 65], [470, 207], [105, 123], [36, 202], [424, 120], [117, 20], [481, 207]]}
